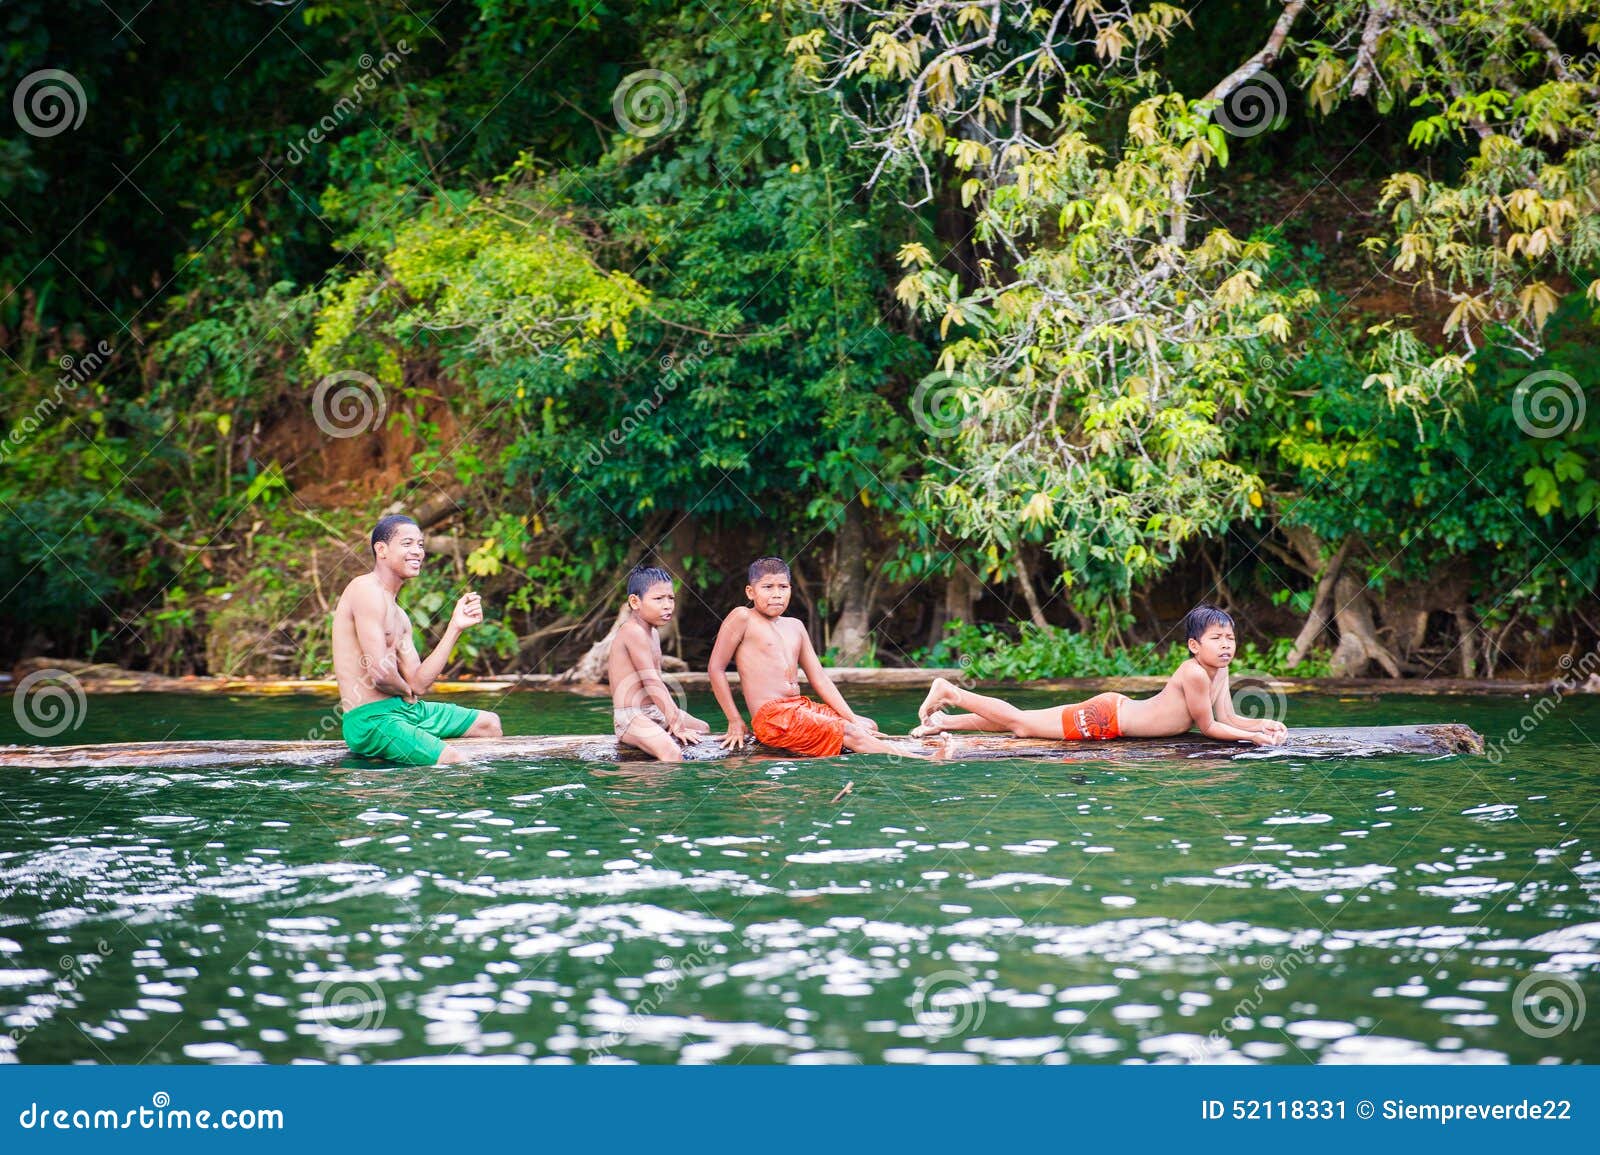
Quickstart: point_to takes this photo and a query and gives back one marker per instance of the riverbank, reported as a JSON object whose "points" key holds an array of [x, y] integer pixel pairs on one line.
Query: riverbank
{"points": [[106, 679]]}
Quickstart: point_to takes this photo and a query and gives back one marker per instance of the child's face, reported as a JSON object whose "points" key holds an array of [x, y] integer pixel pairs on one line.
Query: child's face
{"points": [[1215, 647], [655, 605], [770, 595]]}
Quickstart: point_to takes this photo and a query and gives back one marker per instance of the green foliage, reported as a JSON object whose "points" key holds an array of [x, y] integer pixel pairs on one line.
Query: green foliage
{"points": [[989, 304], [991, 654]]}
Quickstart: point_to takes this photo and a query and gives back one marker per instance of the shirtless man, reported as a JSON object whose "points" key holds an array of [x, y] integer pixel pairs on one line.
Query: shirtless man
{"points": [[643, 712], [1196, 695], [381, 677], [769, 651]]}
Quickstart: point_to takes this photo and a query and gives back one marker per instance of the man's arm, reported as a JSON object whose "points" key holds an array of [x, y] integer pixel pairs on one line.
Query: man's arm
{"points": [[1197, 696], [823, 685], [423, 674], [379, 666], [729, 636]]}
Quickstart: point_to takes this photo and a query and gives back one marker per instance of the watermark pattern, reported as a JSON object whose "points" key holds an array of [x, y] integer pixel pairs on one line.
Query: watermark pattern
{"points": [[1545, 1005], [649, 1003], [1255, 696], [75, 372], [649, 103], [1255, 106], [373, 72], [1574, 677], [674, 370], [74, 968], [1548, 403], [49, 102], [1277, 969], [347, 1005], [348, 403], [944, 403], [49, 702], [948, 1003], [632, 689]]}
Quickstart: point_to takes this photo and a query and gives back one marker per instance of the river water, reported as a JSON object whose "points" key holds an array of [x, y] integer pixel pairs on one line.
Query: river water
{"points": [[1280, 910]]}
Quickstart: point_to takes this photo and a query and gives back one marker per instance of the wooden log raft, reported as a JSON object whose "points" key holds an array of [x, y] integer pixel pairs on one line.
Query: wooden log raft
{"points": [[1331, 742]]}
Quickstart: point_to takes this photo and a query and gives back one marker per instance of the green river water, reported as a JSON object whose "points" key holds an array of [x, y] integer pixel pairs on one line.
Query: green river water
{"points": [[1280, 910]]}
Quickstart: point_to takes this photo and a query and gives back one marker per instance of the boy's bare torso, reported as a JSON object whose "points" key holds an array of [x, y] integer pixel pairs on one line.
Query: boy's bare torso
{"points": [[1167, 713], [349, 669], [768, 658], [634, 645]]}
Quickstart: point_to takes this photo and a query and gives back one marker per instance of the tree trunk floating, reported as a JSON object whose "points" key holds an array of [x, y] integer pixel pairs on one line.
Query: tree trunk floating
{"points": [[1330, 742]]}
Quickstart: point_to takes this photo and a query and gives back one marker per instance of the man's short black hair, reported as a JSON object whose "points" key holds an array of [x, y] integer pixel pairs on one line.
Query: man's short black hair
{"points": [[763, 566], [1200, 619], [642, 577], [386, 527]]}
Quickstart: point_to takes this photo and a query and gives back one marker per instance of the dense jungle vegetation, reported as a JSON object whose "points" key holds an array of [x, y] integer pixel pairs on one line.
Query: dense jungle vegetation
{"points": [[1019, 328]]}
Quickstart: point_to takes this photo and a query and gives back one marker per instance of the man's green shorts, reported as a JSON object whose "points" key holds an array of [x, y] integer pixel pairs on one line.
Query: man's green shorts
{"points": [[405, 733]]}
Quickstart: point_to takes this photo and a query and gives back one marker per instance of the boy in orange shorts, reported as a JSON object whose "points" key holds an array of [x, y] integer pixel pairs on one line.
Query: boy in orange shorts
{"points": [[769, 651], [1196, 695]]}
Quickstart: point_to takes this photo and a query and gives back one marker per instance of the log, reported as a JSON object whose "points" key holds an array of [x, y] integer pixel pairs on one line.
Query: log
{"points": [[1336, 741]]}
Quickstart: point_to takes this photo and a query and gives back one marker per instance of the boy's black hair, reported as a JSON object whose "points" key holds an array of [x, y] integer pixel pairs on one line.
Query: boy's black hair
{"points": [[385, 529], [642, 577], [1200, 619], [763, 566]]}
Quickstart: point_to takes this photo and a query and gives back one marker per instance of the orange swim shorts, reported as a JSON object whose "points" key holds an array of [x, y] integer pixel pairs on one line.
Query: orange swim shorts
{"points": [[800, 726], [1095, 720]]}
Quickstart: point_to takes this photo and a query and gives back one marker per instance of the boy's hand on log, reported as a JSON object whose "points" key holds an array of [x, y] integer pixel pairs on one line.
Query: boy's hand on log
{"points": [[736, 736], [1271, 737], [682, 729]]}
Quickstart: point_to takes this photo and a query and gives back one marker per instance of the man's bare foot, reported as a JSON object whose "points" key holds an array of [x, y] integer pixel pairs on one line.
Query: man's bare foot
{"points": [[938, 695], [932, 725]]}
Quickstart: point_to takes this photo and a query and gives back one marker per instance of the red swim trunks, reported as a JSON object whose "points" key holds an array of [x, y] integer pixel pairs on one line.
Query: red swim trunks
{"points": [[1095, 720], [800, 726]]}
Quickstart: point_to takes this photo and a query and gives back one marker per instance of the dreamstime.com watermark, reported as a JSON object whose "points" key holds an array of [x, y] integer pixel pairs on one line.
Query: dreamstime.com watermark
{"points": [[73, 969], [1545, 1005], [1254, 107], [1548, 403], [948, 1003], [344, 1008], [373, 72], [649, 1003], [75, 373], [945, 402], [49, 102], [1575, 675], [674, 370], [649, 103], [1276, 970], [160, 1115], [348, 403], [49, 702], [1256, 696]]}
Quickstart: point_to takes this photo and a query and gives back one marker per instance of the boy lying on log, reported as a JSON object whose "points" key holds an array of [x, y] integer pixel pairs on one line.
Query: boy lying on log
{"points": [[1196, 695]]}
